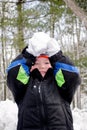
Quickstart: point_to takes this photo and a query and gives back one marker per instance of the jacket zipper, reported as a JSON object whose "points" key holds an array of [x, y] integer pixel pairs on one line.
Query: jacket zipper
{"points": [[41, 106]]}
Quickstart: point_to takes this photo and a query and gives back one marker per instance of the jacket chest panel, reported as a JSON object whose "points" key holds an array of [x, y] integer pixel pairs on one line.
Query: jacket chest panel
{"points": [[45, 92]]}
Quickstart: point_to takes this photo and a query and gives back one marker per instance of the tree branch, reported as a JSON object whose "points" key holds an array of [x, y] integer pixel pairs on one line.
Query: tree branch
{"points": [[77, 10]]}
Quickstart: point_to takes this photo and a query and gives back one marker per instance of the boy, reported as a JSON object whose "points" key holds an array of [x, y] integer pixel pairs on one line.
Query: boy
{"points": [[42, 63], [43, 82]]}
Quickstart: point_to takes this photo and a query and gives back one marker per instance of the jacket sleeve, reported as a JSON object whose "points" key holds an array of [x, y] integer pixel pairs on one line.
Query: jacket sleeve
{"points": [[18, 75], [66, 75]]}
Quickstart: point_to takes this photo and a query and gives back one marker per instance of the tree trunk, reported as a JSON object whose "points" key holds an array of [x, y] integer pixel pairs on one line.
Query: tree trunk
{"points": [[20, 36], [79, 98], [3, 49], [52, 24]]}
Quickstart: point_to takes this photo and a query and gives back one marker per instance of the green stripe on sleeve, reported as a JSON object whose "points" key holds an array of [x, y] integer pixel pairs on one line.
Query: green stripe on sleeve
{"points": [[22, 76], [60, 78]]}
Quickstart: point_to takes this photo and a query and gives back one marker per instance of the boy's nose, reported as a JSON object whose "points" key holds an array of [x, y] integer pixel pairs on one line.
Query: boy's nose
{"points": [[42, 66]]}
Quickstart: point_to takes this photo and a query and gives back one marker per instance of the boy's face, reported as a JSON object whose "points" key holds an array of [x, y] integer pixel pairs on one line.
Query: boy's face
{"points": [[42, 64]]}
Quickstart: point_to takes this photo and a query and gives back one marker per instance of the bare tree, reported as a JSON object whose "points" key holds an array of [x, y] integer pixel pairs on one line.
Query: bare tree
{"points": [[3, 48], [20, 36]]}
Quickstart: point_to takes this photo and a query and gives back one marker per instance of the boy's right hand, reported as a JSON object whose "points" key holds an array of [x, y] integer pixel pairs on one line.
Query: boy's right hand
{"points": [[30, 59]]}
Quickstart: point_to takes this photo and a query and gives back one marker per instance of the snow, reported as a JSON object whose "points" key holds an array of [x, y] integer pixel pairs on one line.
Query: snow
{"points": [[80, 119], [9, 111], [8, 115]]}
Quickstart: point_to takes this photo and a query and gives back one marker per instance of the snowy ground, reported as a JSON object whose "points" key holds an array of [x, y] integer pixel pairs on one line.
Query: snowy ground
{"points": [[8, 116]]}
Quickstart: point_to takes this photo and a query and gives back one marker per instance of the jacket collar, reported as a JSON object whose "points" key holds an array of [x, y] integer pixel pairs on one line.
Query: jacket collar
{"points": [[37, 75]]}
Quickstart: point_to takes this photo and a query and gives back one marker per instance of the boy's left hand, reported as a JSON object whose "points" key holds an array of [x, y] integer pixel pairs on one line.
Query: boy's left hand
{"points": [[53, 47]]}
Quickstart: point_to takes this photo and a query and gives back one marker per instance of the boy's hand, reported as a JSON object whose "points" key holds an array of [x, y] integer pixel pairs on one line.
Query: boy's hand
{"points": [[53, 47], [38, 44], [30, 59]]}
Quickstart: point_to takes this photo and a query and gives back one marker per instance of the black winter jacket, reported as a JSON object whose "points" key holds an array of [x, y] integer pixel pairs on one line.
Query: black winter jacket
{"points": [[43, 103]]}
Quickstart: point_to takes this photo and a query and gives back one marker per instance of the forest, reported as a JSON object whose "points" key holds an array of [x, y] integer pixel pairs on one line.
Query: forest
{"points": [[66, 20]]}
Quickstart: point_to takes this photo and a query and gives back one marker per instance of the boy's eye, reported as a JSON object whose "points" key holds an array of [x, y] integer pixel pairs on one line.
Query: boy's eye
{"points": [[36, 63], [46, 62]]}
